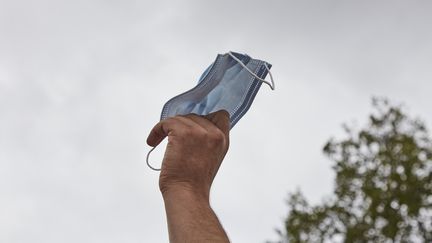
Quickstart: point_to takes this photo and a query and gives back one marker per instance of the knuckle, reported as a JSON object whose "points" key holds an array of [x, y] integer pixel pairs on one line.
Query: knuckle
{"points": [[192, 132], [201, 133], [217, 136], [186, 132]]}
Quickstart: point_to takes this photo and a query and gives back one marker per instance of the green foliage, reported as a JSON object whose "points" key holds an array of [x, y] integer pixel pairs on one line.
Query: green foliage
{"points": [[383, 186]]}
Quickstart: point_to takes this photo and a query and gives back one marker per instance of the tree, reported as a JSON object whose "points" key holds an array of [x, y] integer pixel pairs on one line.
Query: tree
{"points": [[383, 185]]}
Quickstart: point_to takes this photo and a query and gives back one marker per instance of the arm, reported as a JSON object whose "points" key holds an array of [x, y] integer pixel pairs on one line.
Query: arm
{"points": [[191, 219], [195, 150]]}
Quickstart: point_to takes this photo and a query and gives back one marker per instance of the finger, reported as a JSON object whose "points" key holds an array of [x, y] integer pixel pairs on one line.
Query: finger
{"points": [[201, 121], [158, 133], [221, 119], [163, 129], [188, 121]]}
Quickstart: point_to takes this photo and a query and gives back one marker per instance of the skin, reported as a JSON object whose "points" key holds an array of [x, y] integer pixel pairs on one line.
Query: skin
{"points": [[195, 150]]}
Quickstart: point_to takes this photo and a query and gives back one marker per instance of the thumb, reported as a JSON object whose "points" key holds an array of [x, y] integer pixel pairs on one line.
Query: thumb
{"points": [[221, 119], [158, 133]]}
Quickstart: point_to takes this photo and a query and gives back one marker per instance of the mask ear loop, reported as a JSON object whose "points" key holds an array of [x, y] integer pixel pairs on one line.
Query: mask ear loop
{"points": [[147, 160], [272, 85]]}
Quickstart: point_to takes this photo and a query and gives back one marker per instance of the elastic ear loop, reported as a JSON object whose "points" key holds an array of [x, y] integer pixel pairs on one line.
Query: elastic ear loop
{"points": [[272, 86], [147, 160]]}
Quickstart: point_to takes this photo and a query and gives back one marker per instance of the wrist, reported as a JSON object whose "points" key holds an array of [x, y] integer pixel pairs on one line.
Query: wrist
{"points": [[190, 216], [186, 193]]}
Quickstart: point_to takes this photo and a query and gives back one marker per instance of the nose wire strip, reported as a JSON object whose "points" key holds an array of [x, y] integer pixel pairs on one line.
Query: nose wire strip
{"points": [[272, 86]]}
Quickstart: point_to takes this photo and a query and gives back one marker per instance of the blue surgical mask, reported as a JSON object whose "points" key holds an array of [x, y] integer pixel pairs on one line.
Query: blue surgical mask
{"points": [[230, 83]]}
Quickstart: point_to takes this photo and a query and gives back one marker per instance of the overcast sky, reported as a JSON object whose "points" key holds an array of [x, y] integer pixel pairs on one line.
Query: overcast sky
{"points": [[83, 82]]}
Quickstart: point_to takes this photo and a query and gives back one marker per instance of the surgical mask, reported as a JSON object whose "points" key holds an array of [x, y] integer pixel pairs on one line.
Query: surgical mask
{"points": [[230, 83]]}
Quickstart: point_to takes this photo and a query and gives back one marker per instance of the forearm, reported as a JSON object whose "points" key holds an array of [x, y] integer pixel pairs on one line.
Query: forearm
{"points": [[191, 219]]}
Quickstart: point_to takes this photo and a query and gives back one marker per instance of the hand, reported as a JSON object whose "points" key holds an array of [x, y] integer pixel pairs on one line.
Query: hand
{"points": [[195, 150]]}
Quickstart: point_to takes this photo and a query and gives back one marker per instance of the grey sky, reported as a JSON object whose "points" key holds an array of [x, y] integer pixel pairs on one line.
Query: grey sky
{"points": [[83, 82]]}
